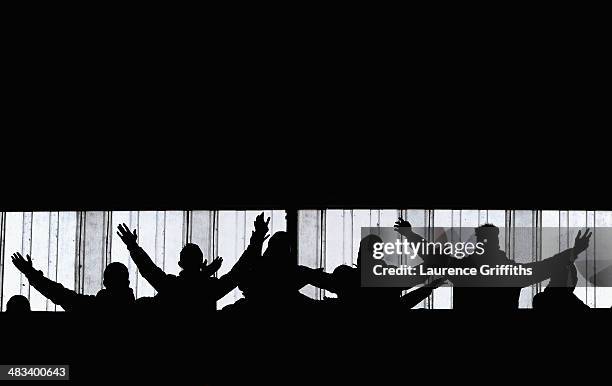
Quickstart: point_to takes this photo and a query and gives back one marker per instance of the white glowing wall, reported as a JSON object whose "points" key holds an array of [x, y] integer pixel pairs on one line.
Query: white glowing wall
{"points": [[74, 247]]}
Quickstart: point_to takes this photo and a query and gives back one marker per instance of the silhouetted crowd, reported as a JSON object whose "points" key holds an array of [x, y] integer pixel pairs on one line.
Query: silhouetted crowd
{"points": [[272, 278]]}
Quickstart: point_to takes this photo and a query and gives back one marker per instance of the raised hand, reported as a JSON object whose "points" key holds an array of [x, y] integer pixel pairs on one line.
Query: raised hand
{"points": [[582, 241], [261, 228], [402, 226], [210, 269], [126, 236], [23, 265]]}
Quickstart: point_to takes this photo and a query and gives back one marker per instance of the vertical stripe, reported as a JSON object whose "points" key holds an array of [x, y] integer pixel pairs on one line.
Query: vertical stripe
{"points": [[2, 257]]}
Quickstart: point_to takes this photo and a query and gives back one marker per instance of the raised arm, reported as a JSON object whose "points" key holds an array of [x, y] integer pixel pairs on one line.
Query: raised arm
{"points": [[147, 268], [404, 228], [542, 270], [230, 280], [69, 300]]}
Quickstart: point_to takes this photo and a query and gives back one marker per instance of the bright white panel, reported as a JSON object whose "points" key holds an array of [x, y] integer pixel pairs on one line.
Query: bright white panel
{"points": [[147, 223], [12, 243], [40, 256]]}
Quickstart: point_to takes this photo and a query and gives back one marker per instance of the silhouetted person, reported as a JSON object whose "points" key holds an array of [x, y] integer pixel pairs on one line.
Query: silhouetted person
{"points": [[271, 281], [345, 282], [559, 293], [493, 292], [194, 289], [18, 304], [116, 297]]}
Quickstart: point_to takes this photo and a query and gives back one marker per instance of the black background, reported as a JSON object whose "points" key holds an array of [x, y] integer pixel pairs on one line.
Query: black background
{"points": [[137, 113], [187, 111]]}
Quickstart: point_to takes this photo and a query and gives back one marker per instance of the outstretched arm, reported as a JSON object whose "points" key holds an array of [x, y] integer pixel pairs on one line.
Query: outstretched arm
{"points": [[413, 298], [151, 272], [542, 270], [69, 300], [230, 280], [316, 277]]}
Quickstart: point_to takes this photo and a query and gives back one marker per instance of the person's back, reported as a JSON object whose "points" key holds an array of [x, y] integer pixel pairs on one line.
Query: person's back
{"points": [[117, 296], [116, 300], [559, 293], [194, 290], [189, 291], [472, 292], [491, 298]]}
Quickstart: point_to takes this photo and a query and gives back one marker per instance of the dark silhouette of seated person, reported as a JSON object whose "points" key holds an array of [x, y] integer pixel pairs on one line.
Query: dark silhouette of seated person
{"points": [[195, 289], [492, 292], [559, 293], [18, 304], [117, 296], [270, 281], [345, 282]]}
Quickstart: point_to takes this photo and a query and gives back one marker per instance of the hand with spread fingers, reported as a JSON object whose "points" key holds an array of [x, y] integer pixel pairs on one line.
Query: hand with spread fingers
{"points": [[261, 228], [129, 238], [23, 265], [581, 242]]}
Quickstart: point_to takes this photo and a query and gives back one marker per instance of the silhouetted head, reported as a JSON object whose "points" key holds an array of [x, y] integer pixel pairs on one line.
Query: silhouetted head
{"points": [[116, 276], [346, 280], [488, 234], [566, 277], [18, 304], [366, 249], [278, 245], [274, 274], [191, 258]]}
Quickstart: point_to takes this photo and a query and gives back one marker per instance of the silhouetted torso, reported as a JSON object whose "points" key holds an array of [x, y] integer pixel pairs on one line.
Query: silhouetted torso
{"points": [[106, 300], [558, 299], [468, 295], [187, 292]]}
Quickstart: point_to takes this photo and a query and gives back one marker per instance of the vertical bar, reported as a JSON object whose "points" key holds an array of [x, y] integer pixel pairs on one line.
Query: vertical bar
{"points": [[602, 245], [443, 219], [201, 229], [52, 253], [522, 248], [229, 227], [39, 249], [26, 247], [309, 241], [67, 246], [119, 252], [292, 221], [174, 230], [160, 238], [147, 222], [577, 220], [2, 255], [93, 252], [134, 224], [13, 235]]}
